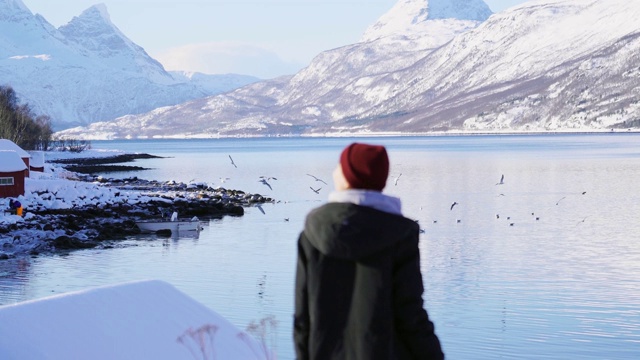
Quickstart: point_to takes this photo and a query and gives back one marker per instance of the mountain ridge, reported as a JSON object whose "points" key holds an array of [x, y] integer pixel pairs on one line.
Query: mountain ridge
{"points": [[543, 66], [88, 70]]}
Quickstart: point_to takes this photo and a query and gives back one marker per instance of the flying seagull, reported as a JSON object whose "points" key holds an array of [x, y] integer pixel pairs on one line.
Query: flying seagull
{"points": [[317, 179], [314, 190], [501, 180], [452, 205], [396, 182], [266, 183], [232, 163], [558, 203]]}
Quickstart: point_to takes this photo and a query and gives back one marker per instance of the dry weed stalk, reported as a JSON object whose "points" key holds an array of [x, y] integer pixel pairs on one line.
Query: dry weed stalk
{"points": [[260, 331], [200, 339]]}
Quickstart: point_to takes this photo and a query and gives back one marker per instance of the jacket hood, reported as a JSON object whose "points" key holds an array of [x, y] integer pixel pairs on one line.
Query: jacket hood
{"points": [[349, 231]]}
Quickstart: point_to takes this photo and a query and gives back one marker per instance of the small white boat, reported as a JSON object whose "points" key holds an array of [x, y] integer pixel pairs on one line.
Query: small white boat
{"points": [[174, 224]]}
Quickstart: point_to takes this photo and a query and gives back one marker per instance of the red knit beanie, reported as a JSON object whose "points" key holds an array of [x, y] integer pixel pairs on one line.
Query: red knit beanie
{"points": [[365, 166]]}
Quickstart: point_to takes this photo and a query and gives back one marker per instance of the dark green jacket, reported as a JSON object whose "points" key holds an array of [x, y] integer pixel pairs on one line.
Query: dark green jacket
{"points": [[359, 288]]}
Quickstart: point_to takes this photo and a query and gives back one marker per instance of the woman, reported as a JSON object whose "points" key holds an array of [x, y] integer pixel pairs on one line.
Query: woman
{"points": [[358, 283]]}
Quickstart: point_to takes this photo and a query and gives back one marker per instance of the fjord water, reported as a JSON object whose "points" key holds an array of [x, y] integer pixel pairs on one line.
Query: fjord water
{"points": [[544, 266]]}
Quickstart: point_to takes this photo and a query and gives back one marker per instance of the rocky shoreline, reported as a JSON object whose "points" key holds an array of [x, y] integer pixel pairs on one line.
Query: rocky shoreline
{"points": [[85, 225]]}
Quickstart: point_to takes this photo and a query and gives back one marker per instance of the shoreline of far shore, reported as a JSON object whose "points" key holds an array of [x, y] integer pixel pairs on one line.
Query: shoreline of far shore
{"points": [[371, 134]]}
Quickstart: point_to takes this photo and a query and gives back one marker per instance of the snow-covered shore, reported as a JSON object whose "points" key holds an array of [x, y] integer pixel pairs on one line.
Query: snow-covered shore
{"points": [[58, 190]]}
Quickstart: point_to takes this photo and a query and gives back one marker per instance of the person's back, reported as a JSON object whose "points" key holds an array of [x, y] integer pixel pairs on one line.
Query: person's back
{"points": [[358, 283]]}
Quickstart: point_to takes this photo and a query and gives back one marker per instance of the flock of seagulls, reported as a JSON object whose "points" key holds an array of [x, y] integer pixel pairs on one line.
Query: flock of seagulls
{"points": [[510, 222], [265, 181]]}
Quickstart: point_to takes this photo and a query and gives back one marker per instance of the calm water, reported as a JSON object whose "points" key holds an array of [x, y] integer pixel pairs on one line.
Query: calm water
{"points": [[562, 282]]}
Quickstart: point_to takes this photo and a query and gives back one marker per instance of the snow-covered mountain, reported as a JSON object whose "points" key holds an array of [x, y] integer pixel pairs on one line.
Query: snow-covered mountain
{"points": [[88, 70], [425, 66]]}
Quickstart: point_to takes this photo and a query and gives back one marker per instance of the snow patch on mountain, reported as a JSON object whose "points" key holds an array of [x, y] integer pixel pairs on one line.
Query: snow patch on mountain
{"points": [[410, 18]]}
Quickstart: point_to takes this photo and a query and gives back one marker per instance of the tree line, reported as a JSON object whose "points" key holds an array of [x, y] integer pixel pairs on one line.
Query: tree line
{"points": [[19, 124]]}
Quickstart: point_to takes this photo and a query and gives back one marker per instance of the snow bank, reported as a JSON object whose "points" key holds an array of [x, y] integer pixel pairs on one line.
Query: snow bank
{"points": [[139, 320], [54, 189]]}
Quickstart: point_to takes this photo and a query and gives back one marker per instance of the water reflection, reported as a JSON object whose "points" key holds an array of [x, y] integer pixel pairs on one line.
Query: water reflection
{"points": [[15, 275], [562, 282]]}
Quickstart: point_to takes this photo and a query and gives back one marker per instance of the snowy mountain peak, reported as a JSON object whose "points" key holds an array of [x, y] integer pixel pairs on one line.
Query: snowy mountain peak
{"points": [[88, 70], [97, 11], [475, 10], [407, 16], [14, 10], [95, 33], [96, 17]]}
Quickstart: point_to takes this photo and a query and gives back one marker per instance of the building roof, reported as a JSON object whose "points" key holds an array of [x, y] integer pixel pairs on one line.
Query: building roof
{"points": [[10, 145], [37, 158], [10, 161]]}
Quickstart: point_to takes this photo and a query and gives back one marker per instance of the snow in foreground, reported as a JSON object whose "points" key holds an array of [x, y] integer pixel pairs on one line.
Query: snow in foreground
{"points": [[138, 320]]}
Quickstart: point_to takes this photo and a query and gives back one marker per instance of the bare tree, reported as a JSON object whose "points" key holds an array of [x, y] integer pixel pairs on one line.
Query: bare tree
{"points": [[17, 123]]}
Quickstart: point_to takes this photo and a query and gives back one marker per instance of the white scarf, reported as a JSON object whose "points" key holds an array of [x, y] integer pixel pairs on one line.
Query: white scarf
{"points": [[369, 198]]}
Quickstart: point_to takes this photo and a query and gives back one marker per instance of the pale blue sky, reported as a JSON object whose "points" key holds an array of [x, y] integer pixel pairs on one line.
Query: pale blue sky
{"points": [[263, 38]]}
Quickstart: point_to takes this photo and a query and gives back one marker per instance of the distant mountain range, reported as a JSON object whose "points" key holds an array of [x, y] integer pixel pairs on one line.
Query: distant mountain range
{"points": [[88, 71], [436, 66]]}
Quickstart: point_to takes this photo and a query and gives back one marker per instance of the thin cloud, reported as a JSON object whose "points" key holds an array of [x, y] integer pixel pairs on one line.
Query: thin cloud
{"points": [[227, 58]]}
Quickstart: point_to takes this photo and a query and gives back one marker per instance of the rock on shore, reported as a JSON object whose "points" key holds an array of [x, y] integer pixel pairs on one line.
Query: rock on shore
{"points": [[65, 210]]}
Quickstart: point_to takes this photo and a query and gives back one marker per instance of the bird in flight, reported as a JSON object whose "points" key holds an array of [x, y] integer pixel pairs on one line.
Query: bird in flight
{"points": [[452, 205], [501, 180], [317, 191], [264, 181], [268, 178], [318, 179], [558, 203], [396, 181], [232, 163]]}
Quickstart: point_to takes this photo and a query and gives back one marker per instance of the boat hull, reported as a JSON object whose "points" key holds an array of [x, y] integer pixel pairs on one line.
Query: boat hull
{"points": [[173, 226]]}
